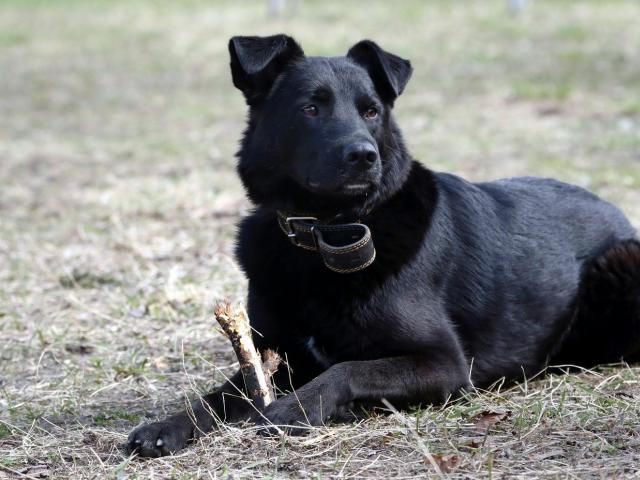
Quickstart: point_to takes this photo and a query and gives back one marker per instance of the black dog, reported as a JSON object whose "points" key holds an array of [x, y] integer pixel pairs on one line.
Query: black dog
{"points": [[381, 279]]}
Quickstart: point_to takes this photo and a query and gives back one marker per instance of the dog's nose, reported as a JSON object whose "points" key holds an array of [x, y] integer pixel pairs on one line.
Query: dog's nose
{"points": [[362, 154]]}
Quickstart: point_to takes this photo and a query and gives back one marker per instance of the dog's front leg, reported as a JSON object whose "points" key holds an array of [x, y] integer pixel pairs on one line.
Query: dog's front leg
{"points": [[167, 436], [227, 403], [402, 380]]}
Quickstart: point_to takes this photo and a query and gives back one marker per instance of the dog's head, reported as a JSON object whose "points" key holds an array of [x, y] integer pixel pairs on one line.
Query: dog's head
{"points": [[320, 138]]}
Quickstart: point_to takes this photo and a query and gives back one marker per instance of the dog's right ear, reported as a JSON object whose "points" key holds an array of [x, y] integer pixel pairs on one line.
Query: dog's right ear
{"points": [[256, 62]]}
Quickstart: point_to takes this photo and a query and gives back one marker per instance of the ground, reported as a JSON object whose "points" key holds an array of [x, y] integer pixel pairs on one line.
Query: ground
{"points": [[118, 201]]}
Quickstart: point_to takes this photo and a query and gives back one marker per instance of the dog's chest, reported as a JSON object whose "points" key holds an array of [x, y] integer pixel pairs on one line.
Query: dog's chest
{"points": [[318, 353], [333, 335]]}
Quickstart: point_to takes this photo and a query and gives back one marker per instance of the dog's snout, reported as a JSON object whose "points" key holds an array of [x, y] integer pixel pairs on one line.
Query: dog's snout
{"points": [[362, 154]]}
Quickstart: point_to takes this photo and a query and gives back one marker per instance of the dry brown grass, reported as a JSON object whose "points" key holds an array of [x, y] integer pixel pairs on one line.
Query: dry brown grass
{"points": [[118, 200]]}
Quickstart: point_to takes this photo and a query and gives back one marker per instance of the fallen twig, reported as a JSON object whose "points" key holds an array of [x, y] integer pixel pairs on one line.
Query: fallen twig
{"points": [[256, 371]]}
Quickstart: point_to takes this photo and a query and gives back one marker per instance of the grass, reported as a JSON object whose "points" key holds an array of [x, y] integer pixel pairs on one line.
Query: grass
{"points": [[118, 125]]}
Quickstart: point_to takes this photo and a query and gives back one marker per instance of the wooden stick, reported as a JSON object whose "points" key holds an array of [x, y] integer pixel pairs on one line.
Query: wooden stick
{"points": [[257, 372]]}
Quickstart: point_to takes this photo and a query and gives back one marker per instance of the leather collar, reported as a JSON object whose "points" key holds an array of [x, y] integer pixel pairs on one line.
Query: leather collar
{"points": [[344, 247]]}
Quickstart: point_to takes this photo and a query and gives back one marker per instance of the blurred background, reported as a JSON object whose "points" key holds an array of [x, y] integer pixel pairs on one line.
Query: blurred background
{"points": [[118, 196]]}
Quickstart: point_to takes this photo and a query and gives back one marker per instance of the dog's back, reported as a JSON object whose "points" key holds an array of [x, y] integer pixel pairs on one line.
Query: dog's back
{"points": [[563, 212], [522, 246]]}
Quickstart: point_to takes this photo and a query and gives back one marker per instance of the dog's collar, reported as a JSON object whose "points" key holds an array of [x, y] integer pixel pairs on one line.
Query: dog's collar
{"points": [[344, 247]]}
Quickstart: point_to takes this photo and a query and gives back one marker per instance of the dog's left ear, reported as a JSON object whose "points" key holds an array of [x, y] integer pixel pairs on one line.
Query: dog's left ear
{"points": [[256, 62], [389, 72]]}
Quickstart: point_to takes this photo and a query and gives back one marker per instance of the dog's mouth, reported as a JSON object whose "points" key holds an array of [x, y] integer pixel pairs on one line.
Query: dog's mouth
{"points": [[357, 188], [345, 189]]}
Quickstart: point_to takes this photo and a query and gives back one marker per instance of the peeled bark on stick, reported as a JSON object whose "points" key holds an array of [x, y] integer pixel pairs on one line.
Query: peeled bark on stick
{"points": [[256, 371]]}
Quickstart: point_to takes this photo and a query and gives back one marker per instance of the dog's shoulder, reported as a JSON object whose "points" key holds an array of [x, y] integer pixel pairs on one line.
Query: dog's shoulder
{"points": [[257, 240]]}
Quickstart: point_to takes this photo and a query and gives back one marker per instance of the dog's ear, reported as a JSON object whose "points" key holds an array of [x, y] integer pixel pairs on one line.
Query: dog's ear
{"points": [[257, 61], [389, 72]]}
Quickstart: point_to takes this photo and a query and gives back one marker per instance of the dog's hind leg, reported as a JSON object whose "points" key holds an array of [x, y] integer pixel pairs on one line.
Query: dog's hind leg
{"points": [[607, 324]]}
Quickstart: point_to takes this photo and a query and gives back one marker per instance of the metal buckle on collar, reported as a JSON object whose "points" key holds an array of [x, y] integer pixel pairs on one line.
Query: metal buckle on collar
{"points": [[291, 232]]}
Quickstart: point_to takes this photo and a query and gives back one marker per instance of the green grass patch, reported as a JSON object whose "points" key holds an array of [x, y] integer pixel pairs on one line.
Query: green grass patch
{"points": [[575, 32], [542, 90], [5, 431], [11, 39], [109, 417], [630, 107], [9, 462]]}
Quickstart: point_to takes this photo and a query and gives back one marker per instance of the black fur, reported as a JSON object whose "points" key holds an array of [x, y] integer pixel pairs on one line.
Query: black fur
{"points": [[473, 282]]}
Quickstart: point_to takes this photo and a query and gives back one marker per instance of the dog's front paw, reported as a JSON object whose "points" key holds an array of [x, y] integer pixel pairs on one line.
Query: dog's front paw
{"points": [[159, 439], [288, 415], [297, 413]]}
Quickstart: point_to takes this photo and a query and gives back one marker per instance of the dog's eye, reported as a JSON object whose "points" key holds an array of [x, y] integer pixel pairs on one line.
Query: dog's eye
{"points": [[310, 110], [370, 113]]}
